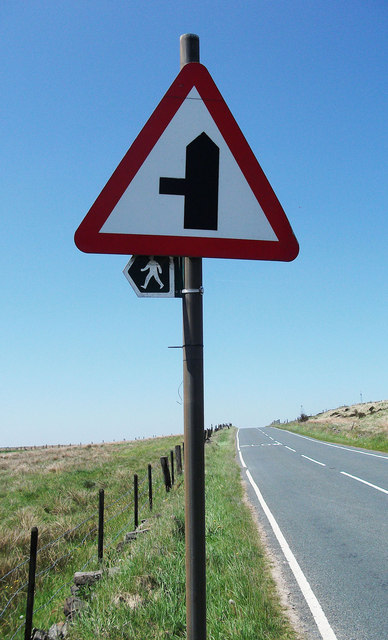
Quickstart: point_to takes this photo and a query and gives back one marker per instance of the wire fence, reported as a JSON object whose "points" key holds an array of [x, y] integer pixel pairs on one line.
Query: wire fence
{"points": [[90, 543]]}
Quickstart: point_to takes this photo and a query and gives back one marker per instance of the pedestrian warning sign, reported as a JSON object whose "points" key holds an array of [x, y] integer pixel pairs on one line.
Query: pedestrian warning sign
{"points": [[154, 276]]}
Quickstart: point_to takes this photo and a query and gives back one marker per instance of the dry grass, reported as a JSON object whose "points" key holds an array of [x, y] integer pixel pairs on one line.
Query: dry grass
{"points": [[371, 417], [363, 425], [55, 488], [57, 459]]}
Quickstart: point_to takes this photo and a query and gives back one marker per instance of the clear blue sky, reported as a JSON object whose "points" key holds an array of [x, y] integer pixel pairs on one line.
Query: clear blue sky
{"points": [[84, 359]]}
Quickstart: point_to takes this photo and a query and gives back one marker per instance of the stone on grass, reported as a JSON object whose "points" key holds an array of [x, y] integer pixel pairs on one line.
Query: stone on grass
{"points": [[87, 577]]}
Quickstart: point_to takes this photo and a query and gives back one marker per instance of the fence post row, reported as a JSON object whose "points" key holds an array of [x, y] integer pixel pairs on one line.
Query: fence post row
{"points": [[168, 481], [31, 583]]}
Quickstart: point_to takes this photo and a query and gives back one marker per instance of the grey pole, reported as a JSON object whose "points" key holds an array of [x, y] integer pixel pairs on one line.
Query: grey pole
{"points": [[194, 422], [189, 48]]}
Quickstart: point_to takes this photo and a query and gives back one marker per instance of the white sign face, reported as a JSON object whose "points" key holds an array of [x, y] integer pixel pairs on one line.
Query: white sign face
{"points": [[142, 209]]}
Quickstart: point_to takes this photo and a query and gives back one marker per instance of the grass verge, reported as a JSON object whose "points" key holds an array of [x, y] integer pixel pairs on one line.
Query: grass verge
{"points": [[362, 425], [146, 599], [321, 431]]}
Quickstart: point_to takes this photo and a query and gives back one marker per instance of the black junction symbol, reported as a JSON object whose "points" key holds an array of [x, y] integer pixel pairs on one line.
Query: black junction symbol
{"points": [[200, 184]]}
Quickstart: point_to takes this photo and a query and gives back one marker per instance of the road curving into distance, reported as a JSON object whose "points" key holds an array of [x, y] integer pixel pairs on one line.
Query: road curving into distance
{"points": [[324, 509]]}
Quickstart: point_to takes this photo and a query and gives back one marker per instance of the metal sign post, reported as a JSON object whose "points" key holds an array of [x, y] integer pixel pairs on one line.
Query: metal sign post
{"points": [[139, 211], [194, 423]]}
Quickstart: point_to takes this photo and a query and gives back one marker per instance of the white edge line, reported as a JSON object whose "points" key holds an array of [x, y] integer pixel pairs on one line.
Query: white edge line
{"points": [[364, 482], [312, 460], [239, 451], [323, 625]]}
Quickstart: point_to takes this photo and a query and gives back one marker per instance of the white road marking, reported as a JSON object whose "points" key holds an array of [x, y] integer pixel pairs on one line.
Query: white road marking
{"points": [[312, 460], [322, 622], [323, 625], [238, 449], [364, 481], [336, 446], [261, 444]]}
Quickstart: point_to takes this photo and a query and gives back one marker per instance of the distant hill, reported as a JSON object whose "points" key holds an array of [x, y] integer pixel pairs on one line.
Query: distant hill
{"points": [[364, 425], [368, 417]]}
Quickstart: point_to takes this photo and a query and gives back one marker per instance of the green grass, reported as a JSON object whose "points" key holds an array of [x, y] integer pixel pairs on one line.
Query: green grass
{"points": [[55, 490], [146, 600], [362, 425], [356, 438]]}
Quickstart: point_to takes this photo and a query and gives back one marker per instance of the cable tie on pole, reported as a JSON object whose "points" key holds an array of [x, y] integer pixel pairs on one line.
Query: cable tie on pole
{"points": [[200, 290]]}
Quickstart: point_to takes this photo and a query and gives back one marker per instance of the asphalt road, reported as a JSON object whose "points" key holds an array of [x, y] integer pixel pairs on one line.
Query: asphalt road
{"points": [[330, 504]]}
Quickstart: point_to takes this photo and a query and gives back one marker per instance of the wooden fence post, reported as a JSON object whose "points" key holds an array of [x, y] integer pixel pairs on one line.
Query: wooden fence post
{"points": [[31, 583], [101, 525], [166, 472], [150, 486], [172, 467], [178, 458], [136, 499]]}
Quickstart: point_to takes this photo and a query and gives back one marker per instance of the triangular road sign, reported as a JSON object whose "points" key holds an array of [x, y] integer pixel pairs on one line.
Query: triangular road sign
{"points": [[189, 186]]}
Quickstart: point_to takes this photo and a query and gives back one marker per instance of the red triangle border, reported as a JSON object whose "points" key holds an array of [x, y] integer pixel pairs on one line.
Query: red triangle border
{"points": [[88, 238]]}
